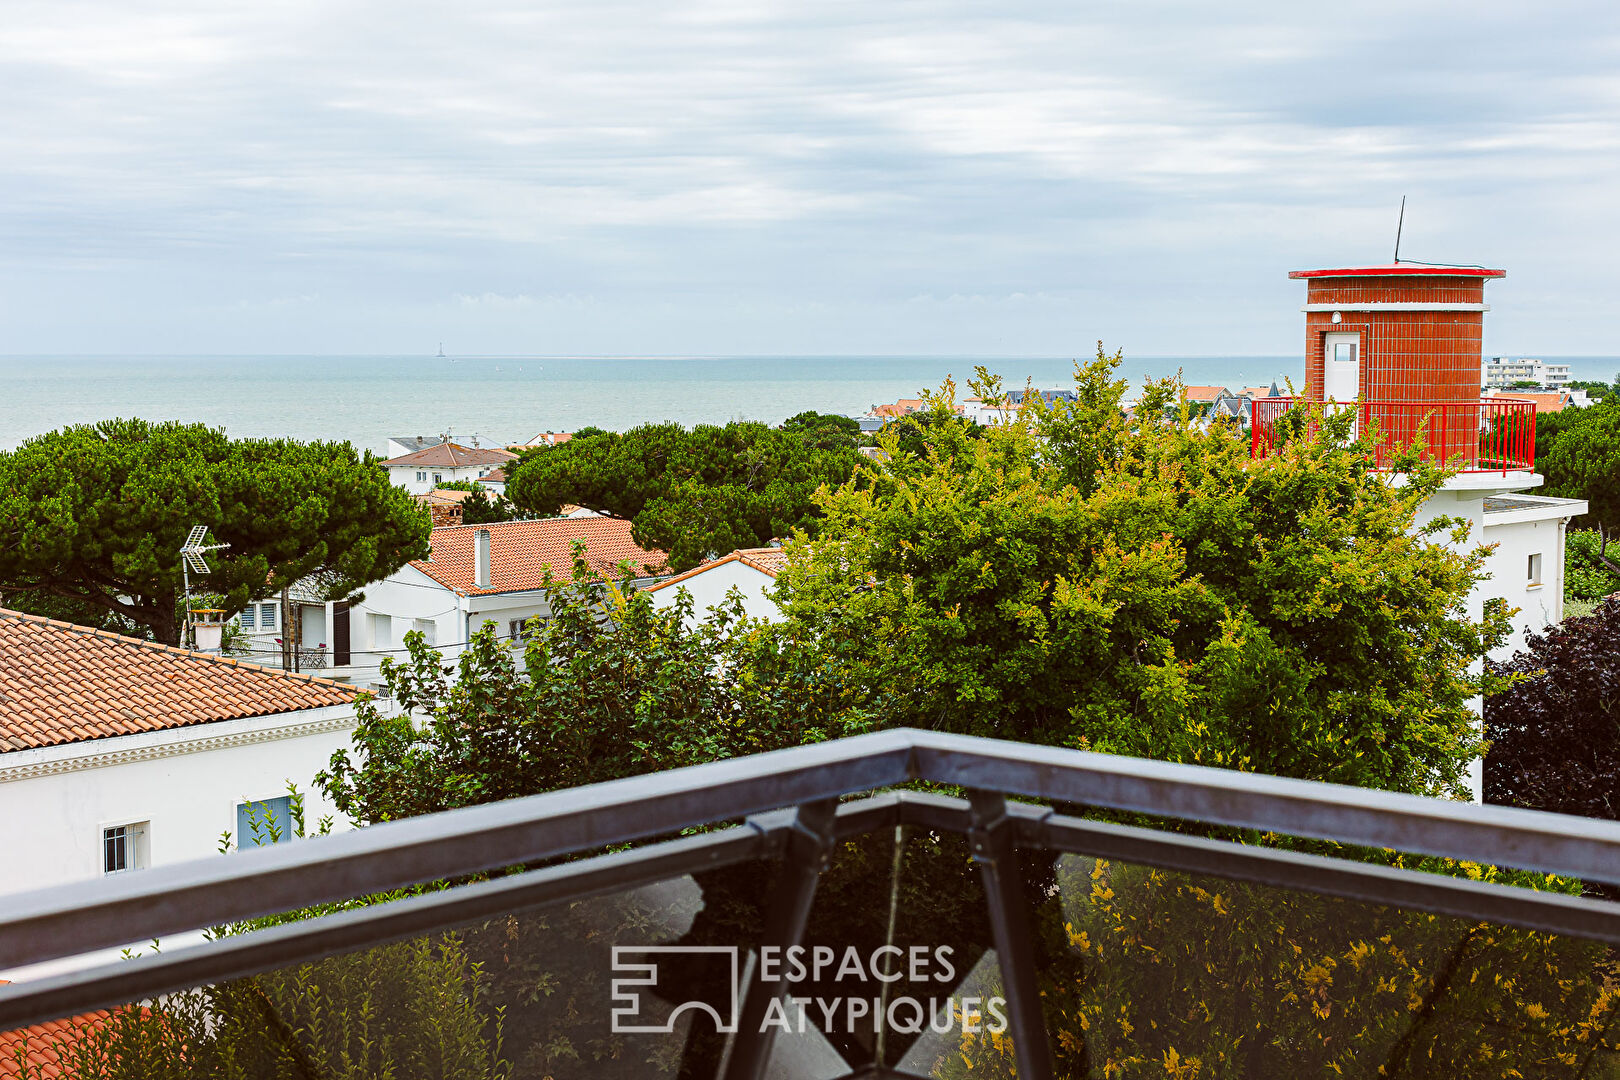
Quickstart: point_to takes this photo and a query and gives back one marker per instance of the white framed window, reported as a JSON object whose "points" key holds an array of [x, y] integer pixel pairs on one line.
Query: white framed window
{"points": [[1534, 569], [429, 629], [382, 628], [421, 476], [264, 822], [123, 847], [518, 629], [248, 617], [438, 478], [269, 614]]}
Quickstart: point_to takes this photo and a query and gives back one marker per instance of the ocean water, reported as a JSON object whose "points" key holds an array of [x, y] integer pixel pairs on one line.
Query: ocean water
{"points": [[366, 399]]}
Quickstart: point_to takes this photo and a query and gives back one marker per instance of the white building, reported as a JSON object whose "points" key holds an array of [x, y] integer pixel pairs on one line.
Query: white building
{"points": [[475, 574], [423, 470], [751, 571], [118, 754], [1504, 371]]}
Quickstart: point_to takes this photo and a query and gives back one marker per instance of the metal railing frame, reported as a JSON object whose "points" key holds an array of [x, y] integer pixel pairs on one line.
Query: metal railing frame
{"points": [[786, 801]]}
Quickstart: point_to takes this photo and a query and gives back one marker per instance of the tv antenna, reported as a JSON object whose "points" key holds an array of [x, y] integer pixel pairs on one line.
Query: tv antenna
{"points": [[1399, 223], [191, 559]]}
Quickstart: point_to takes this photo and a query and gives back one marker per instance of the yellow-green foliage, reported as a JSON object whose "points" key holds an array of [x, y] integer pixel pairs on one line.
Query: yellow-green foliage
{"points": [[1142, 585]]}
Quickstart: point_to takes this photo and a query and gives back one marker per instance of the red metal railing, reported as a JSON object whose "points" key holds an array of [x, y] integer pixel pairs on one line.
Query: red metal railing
{"points": [[1493, 435]]}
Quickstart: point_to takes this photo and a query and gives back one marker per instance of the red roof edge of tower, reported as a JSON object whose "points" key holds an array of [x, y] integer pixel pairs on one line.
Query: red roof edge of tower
{"points": [[1401, 269]]}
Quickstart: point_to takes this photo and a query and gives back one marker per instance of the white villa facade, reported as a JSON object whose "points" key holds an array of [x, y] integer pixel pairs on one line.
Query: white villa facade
{"points": [[446, 463], [475, 574], [120, 754], [752, 572]]}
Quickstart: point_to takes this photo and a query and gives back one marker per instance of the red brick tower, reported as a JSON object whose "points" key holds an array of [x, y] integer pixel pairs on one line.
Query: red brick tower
{"points": [[1417, 329], [1406, 341]]}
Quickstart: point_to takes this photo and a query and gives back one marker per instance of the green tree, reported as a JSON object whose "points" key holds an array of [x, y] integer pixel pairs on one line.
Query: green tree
{"points": [[1142, 586], [694, 493], [1584, 463], [92, 518]]}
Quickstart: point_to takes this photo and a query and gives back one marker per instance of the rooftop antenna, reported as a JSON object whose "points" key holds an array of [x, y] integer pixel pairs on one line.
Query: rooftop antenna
{"points": [[1399, 223], [191, 559]]}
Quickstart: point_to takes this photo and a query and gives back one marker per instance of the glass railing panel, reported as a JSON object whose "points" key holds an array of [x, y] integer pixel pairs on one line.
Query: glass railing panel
{"points": [[636, 984], [947, 1017], [1148, 972]]}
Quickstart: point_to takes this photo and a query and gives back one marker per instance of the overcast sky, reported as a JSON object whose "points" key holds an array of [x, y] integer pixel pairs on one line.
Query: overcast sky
{"points": [[745, 177]]}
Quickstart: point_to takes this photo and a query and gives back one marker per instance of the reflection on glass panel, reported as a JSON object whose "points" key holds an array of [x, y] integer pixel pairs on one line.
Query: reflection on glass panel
{"points": [[524, 996], [960, 1030], [1154, 973]]}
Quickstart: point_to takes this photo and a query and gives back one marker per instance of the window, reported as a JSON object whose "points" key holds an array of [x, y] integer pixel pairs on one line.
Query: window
{"points": [[429, 629], [421, 476], [262, 823], [123, 847], [381, 631], [1535, 569], [268, 614], [246, 618], [521, 628], [438, 478]]}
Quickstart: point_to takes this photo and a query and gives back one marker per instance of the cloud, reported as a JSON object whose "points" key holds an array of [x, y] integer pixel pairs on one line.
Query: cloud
{"points": [[1159, 166]]}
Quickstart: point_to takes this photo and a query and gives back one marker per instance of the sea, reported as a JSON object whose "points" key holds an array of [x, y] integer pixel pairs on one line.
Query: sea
{"points": [[365, 400]]}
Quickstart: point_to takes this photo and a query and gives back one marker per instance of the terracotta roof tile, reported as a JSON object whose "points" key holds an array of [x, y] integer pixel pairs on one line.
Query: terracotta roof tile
{"points": [[547, 438], [43, 1045], [1202, 393], [768, 560], [451, 456], [1553, 402], [521, 552], [63, 683]]}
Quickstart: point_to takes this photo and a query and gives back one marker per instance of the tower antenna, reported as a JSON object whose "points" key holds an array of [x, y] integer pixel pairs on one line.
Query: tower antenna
{"points": [[1400, 222]]}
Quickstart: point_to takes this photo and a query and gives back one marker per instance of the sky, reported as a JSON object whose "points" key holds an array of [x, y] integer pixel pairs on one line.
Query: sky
{"points": [[746, 177]]}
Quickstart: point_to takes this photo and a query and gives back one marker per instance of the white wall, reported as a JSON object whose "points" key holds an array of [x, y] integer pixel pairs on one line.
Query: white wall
{"points": [[710, 587], [405, 475], [1541, 605], [185, 782]]}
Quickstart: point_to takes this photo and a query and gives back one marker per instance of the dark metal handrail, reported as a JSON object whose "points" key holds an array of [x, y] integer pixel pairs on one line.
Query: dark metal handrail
{"points": [[781, 795]]}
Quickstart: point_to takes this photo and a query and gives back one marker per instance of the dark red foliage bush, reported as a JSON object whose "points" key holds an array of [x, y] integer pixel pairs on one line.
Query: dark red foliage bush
{"points": [[1555, 737]]}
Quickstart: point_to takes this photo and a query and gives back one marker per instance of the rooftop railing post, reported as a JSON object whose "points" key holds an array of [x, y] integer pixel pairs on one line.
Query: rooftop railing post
{"points": [[995, 848], [809, 846]]}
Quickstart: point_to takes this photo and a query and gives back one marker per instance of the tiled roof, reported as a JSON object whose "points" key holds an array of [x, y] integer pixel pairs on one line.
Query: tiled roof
{"points": [[496, 477], [43, 1045], [443, 495], [548, 438], [767, 560], [520, 552], [1202, 393], [450, 456], [1554, 402], [62, 683]]}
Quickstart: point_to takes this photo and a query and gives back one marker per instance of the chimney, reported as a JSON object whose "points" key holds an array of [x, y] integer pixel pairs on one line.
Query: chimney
{"points": [[481, 558]]}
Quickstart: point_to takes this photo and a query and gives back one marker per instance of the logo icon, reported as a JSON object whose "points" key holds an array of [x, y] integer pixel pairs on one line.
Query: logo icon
{"points": [[628, 1015]]}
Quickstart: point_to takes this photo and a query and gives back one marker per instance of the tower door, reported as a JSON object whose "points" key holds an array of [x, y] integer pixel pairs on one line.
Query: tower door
{"points": [[1341, 366]]}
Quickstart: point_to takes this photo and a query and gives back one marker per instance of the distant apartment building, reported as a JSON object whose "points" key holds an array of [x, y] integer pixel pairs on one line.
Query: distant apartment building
{"points": [[1505, 371]]}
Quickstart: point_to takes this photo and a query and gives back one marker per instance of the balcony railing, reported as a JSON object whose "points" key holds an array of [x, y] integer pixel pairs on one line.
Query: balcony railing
{"points": [[1491, 435], [1078, 945]]}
